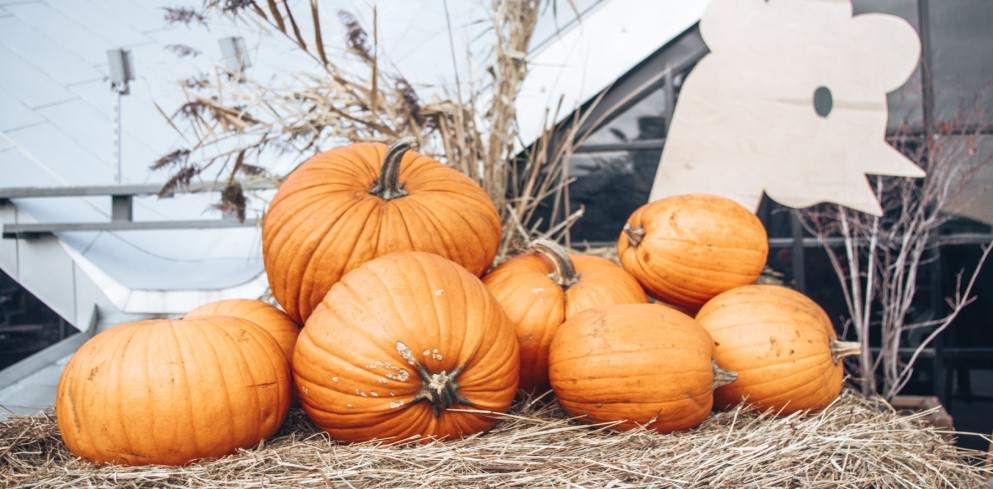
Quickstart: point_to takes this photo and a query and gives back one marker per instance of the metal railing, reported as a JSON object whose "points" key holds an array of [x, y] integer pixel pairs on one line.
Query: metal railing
{"points": [[121, 208]]}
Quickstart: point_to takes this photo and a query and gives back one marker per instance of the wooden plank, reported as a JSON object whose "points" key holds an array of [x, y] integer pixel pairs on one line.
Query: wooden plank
{"points": [[28, 231], [140, 189]]}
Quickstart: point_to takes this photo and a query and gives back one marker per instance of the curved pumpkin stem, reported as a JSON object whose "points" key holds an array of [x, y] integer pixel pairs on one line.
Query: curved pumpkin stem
{"points": [[635, 235], [440, 389], [388, 186], [565, 270], [842, 349], [722, 377]]}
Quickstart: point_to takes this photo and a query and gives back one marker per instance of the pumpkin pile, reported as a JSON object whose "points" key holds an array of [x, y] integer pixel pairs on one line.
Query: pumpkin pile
{"points": [[378, 252]]}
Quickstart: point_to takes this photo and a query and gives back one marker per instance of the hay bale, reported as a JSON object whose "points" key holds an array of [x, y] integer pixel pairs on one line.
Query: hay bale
{"points": [[856, 442]]}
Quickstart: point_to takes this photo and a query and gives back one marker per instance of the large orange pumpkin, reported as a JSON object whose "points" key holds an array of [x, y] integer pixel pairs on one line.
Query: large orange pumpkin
{"points": [[689, 248], [399, 341], [168, 392], [782, 345], [349, 205], [637, 364], [541, 289], [272, 320]]}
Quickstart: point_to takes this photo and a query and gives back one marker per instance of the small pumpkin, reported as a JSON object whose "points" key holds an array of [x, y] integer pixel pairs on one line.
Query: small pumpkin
{"points": [[636, 364], [396, 343], [542, 288], [688, 248], [782, 345], [349, 205], [267, 317], [169, 392]]}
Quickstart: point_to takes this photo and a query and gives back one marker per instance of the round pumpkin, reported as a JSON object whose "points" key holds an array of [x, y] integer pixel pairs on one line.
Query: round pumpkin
{"points": [[542, 288], [400, 341], [782, 345], [169, 392], [686, 249], [349, 205], [635, 364], [267, 317]]}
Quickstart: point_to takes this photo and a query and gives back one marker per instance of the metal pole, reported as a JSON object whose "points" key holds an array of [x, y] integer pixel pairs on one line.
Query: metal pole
{"points": [[117, 134]]}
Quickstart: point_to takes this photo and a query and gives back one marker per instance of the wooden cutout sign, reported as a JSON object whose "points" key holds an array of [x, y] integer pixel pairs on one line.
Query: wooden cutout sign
{"points": [[791, 100]]}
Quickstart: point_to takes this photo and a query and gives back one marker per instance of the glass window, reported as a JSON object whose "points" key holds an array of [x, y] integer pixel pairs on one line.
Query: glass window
{"points": [[962, 51]]}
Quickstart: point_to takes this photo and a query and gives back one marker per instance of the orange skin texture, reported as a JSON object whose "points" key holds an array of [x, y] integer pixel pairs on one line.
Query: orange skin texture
{"points": [[778, 341], [169, 392], [265, 316], [537, 305], [633, 363], [350, 377], [695, 247], [323, 221]]}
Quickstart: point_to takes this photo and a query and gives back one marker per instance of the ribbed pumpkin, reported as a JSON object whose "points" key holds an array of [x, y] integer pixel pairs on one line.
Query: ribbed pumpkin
{"points": [[168, 392], [782, 345], [686, 249], [544, 287], [641, 364], [272, 320], [396, 343], [349, 205]]}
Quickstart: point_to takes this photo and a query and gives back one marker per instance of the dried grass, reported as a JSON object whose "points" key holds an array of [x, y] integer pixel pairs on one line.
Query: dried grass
{"points": [[856, 442]]}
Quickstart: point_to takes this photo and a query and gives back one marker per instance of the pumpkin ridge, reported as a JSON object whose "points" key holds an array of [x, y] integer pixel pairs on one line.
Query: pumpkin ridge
{"points": [[698, 269], [283, 257], [248, 370], [258, 337], [425, 214], [777, 379], [224, 381], [487, 253], [310, 268], [119, 358], [674, 293], [418, 214], [693, 243], [787, 393], [187, 392]]}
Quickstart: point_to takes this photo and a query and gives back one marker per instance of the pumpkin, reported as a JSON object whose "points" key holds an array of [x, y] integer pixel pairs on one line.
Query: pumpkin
{"points": [[686, 249], [267, 317], [542, 288], [169, 392], [782, 345], [399, 341], [637, 365], [349, 205]]}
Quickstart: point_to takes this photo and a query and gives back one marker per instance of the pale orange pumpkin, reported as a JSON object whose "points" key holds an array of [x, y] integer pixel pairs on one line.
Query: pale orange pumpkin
{"points": [[267, 317], [686, 249], [635, 364], [169, 392], [782, 345], [397, 343], [546, 286], [349, 205]]}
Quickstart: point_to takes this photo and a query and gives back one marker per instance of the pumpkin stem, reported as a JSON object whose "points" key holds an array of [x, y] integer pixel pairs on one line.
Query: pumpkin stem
{"points": [[635, 235], [440, 389], [388, 186], [842, 349], [722, 377], [564, 272]]}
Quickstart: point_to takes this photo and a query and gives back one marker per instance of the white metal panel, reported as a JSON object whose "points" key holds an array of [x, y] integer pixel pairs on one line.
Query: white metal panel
{"points": [[27, 83], [14, 114], [38, 49], [583, 61], [46, 271], [8, 247], [96, 21], [89, 44], [55, 151]]}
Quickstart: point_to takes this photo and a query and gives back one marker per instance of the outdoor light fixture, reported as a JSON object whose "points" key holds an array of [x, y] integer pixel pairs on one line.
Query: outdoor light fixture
{"points": [[121, 69], [234, 54]]}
